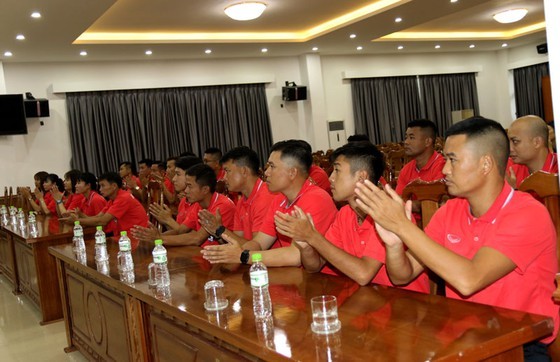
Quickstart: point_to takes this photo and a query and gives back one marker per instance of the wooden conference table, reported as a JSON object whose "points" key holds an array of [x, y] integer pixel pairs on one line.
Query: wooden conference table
{"points": [[27, 264], [109, 320]]}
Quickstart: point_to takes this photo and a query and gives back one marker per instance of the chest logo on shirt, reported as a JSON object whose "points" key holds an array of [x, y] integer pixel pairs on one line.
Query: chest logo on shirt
{"points": [[453, 239]]}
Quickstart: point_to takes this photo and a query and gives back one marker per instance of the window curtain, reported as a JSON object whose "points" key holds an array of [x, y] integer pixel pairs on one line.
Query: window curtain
{"points": [[444, 93], [128, 125], [384, 106], [527, 83]]}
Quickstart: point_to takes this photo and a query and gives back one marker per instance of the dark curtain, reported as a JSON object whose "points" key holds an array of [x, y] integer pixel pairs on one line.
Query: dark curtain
{"points": [[527, 83], [384, 106], [128, 125], [444, 93]]}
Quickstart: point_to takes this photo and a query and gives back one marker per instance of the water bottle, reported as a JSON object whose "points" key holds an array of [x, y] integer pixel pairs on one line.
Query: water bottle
{"points": [[79, 243], [262, 306], [157, 271], [32, 222], [100, 245], [21, 219], [124, 260], [13, 216], [4, 213]]}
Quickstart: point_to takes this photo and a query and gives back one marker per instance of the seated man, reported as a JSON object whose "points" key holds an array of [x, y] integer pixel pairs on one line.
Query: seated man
{"points": [[288, 175], [121, 213], [93, 203], [200, 187], [529, 152], [159, 175], [130, 182], [491, 244], [241, 169], [211, 157], [351, 245]]}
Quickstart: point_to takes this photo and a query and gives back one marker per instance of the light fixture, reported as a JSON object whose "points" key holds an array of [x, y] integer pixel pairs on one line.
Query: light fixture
{"points": [[400, 47], [148, 52], [83, 53], [35, 15], [352, 36], [453, 1], [471, 46], [510, 16], [246, 10], [264, 50], [359, 48], [504, 45], [437, 46], [20, 37], [314, 49], [8, 53], [208, 51], [398, 20]]}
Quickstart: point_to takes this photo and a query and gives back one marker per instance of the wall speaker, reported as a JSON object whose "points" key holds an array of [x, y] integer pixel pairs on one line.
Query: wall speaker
{"points": [[295, 93], [542, 48], [37, 108]]}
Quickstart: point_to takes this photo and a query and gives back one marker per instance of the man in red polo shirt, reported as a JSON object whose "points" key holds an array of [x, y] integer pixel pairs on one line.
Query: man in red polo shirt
{"points": [[351, 245], [93, 203], [491, 244], [288, 175], [200, 192], [529, 151], [426, 164], [130, 182], [122, 211], [211, 157], [159, 175], [241, 168]]}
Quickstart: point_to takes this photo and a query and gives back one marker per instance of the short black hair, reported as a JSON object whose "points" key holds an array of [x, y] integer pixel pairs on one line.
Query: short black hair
{"points": [[41, 176], [172, 158], [184, 163], [187, 153], [73, 176], [296, 150], [204, 175], [358, 138], [243, 157], [89, 179], [490, 136], [53, 177], [362, 155], [161, 165], [148, 161], [112, 178], [426, 126], [214, 151]]}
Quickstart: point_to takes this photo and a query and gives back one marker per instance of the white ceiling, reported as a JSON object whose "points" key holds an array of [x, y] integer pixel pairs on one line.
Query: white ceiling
{"points": [[183, 29]]}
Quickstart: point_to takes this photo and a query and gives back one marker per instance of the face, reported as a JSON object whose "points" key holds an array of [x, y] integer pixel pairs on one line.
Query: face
{"points": [[68, 184], [143, 170], [179, 179], [415, 142], [37, 182], [82, 187], [463, 168], [277, 173], [170, 168], [124, 171], [212, 161], [47, 185], [343, 181], [521, 144], [234, 176], [106, 188], [193, 191]]}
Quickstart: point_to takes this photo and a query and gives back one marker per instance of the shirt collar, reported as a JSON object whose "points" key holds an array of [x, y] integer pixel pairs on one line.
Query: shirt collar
{"points": [[287, 204], [501, 201], [435, 155]]}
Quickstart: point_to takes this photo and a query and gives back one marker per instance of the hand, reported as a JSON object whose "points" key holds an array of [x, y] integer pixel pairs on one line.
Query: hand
{"points": [[226, 253], [389, 238], [69, 218], [298, 226], [56, 194], [511, 178], [129, 182], [157, 178], [145, 234], [181, 195], [385, 207], [161, 212], [38, 194], [25, 192], [209, 221]]}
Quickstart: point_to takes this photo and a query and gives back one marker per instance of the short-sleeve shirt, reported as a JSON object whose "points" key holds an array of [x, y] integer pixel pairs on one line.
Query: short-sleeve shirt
{"points": [[522, 171], [312, 200], [126, 212], [251, 211], [135, 179], [169, 185], [50, 202], [93, 204], [320, 177], [432, 171], [362, 240], [520, 228], [183, 210], [218, 201], [73, 201]]}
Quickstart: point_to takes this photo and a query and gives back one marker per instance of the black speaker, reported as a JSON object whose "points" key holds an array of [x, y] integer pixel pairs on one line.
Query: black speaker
{"points": [[37, 108], [295, 93], [542, 48]]}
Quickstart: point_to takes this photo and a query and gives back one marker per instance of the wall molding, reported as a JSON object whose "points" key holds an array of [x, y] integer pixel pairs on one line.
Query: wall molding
{"points": [[349, 74]]}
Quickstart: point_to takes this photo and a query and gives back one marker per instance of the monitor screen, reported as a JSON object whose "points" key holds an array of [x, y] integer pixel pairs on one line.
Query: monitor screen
{"points": [[12, 114]]}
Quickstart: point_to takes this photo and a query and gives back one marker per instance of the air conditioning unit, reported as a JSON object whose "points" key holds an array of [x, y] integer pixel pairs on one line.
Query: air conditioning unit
{"points": [[337, 134]]}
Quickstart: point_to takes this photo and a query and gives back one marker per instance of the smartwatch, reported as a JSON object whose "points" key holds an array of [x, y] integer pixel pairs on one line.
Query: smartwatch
{"points": [[244, 258], [219, 231]]}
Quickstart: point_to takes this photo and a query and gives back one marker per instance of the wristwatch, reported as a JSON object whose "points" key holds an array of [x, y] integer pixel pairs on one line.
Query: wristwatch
{"points": [[219, 231], [58, 202], [244, 258]]}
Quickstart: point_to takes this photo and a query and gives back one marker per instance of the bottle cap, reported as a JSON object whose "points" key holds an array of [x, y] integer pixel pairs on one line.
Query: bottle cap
{"points": [[123, 233], [257, 257], [20, 209], [77, 222], [158, 242], [99, 228]]}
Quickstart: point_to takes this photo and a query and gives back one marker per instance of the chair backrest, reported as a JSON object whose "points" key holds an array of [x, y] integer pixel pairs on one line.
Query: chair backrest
{"points": [[545, 186], [429, 194]]}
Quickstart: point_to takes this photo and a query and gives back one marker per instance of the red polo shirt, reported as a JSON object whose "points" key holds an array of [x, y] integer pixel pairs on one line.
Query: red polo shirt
{"points": [[135, 179], [320, 177], [126, 212], [50, 202], [169, 185], [362, 240], [183, 210], [432, 171], [73, 201], [251, 211], [520, 228], [93, 205], [312, 200], [522, 171], [219, 201]]}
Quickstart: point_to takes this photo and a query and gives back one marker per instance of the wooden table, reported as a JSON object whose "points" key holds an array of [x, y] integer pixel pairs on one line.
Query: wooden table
{"points": [[106, 319], [27, 264]]}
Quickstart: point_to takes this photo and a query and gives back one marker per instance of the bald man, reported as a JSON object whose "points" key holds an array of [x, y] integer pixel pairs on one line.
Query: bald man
{"points": [[528, 139]]}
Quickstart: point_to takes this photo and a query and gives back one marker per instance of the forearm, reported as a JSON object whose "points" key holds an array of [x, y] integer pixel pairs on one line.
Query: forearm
{"points": [[34, 205], [192, 238], [399, 266], [92, 221], [43, 207], [60, 209], [286, 256], [310, 259]]}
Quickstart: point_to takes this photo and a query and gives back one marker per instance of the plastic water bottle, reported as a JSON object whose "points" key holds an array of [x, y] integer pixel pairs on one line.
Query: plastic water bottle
{"points": [[13, 216], [124, 260], [100, 245], [160, 272], [79, 243], [262, 306], [4, 213], [21, 219], [32, 222]]}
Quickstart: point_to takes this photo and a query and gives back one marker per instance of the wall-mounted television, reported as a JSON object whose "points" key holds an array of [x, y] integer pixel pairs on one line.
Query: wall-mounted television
{"points": [[12, 114]]}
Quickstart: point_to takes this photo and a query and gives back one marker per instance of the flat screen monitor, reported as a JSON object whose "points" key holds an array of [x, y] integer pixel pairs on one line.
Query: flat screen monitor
{"points": [[12, 114]]}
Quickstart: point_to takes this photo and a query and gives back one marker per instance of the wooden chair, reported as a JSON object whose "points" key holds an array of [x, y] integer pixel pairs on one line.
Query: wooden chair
{"points": [[154, 194], [397, 159]]}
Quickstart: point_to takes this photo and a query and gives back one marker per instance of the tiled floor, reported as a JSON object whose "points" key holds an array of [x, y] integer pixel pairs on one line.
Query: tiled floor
{"points": [[21, 336]]}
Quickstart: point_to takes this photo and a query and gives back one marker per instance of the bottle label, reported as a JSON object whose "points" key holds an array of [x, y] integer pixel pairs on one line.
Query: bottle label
{"points": [[124, 245], [78, 232], [100, 239], [259, 278], [160, 258]]}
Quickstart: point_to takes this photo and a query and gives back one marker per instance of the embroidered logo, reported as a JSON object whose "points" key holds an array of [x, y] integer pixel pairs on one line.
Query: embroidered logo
{"points": [[453, 239]]}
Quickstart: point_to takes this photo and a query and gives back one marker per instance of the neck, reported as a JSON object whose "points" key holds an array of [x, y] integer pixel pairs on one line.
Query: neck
{"points": [[87, 193], [361, 215], [205, 202], [423, 158], [113, 196], [293, 190], [538, 162], [485, 197], [250, 184]]}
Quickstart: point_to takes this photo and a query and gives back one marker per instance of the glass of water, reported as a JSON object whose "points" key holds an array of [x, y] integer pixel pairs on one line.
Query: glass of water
{"points": [[325, 314]]}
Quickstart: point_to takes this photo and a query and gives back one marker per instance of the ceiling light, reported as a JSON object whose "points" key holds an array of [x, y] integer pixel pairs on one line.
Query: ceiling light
{"points": [[352, 36], [247, 10], [83, 53], [20, 37], [314, 49], [453, 1], [36, 15], [148, 52], [8, 53], [504, 45], [400, 47], [510, 16], [264, 50], [208, 51], [359, 48], [398, 20], [437, 46], [471, 46]]}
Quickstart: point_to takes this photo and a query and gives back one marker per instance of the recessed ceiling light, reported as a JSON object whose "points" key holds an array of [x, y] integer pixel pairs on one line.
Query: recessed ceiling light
{"points": [[314, 49], [510, 16], [400, 47], [208, 51], [352, 36], [148, 52], [437, 46], [504, 45], [398, 20], [35, 15], [264, 50], [471, 46], [359, 48], [20, 37], [8, 53], [83, 53]]}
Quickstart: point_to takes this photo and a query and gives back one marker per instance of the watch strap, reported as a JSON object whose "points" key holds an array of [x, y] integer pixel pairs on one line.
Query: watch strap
{"points": [[244, 258], [219, 231]]}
